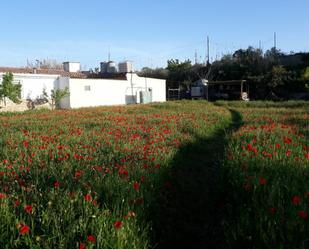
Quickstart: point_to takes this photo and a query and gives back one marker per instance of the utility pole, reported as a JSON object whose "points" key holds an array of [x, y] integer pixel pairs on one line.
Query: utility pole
{"points": [[207, 56], [275, 40], [109, 53], [195, 57], [260, 45]]}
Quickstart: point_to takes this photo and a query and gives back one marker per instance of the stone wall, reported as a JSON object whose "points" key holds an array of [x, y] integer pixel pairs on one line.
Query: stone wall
{"points": [[25, 105]]}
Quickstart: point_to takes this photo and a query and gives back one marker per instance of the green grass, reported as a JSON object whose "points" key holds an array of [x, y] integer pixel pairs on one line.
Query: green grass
{"points": [[174, 175]]}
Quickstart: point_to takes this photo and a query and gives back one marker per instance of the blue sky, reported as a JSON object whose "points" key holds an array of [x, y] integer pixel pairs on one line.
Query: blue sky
{"points": [[147, 32]]}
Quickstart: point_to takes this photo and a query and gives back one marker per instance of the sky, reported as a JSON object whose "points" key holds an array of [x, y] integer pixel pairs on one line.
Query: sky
{"points": [[146, 32]]}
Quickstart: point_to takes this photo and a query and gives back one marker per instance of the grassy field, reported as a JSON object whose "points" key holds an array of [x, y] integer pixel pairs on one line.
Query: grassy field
{"points": [[185, 174]]}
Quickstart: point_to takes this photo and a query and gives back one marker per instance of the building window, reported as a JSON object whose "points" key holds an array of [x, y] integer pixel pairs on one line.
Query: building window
{"points": [[87, 88]]}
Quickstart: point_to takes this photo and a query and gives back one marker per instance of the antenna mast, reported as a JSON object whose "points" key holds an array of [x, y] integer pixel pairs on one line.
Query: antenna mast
{"points": [[207, 56]]}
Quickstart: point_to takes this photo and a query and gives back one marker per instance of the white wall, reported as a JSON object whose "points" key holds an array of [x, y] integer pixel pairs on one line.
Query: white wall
{"points": [[72, 67], [102, 92], [33, 84], [113, 92], [64, 82], [158, 86]]}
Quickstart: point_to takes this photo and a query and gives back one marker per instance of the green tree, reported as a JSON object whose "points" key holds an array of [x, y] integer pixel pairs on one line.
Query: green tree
{"points": [[57, 95], [9, 90], [279, 76]]}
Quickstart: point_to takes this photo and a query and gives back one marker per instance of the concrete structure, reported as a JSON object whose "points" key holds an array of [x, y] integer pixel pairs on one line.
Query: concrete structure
{"points": [[103, 67], [117, 89], [111, 67], [97, 92], [72, 67], [125, 67]]}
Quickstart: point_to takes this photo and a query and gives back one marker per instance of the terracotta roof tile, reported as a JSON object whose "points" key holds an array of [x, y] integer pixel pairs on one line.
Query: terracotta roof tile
{"points": [[42, 71]]}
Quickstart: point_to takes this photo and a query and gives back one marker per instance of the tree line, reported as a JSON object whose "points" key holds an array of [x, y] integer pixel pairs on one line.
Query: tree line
{"points": [[272, 75]]}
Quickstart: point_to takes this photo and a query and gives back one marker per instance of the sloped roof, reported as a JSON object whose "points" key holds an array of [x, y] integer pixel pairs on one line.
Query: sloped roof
{"points": [[42, 71]]}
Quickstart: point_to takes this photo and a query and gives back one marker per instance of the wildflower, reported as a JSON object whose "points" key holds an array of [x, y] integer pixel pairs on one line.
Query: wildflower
{"points": [[288, 153], [251, 148], [60, 147], [296, 200], [262, 181], [287, 140], [136, 185], [16, 203], [118, 224], [23, 228], [2, 196], [123, 172], [56, 184], [303, 214], [78, 174], [91, 238], [82, 245], [28, 209], [297, 159], [25, 143], [87, 197], [142, 178], [278, 146]]}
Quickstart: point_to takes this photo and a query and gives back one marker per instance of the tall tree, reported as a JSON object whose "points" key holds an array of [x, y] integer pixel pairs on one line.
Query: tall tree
{"points": [[9, 90]]}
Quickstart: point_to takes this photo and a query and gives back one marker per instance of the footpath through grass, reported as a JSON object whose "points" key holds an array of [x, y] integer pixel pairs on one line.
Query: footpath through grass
{"points": [[266, 177], [186, 174]]}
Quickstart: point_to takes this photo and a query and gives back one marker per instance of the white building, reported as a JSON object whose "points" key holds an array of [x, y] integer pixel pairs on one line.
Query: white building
{"points": [[73, 67], [118, 89], [125, 67]]}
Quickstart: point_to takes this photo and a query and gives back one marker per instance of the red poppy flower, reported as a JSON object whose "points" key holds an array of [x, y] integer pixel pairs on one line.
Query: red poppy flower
{"points": [[262, 181], [91, 238], [296, 200], [287, 140], [82, 245], [123, 172], [278, 146], [303, 214], [78, 174], [142, 178], [136, 185], [118, 224], [56, 184], [2, 196], [87, 197], [16, 203], [288, 153], [25, 144], [28, 209], [23, 228], [60, 147]]}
